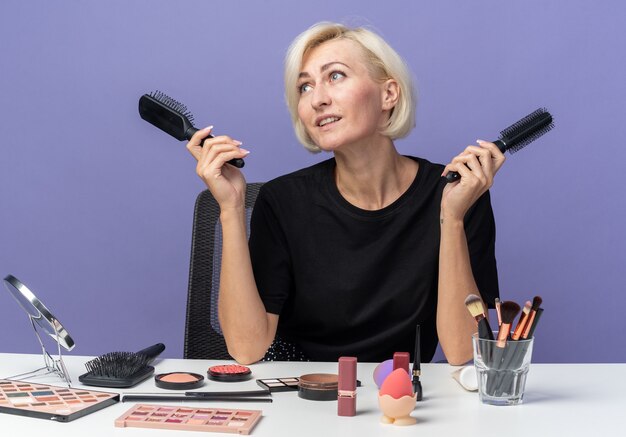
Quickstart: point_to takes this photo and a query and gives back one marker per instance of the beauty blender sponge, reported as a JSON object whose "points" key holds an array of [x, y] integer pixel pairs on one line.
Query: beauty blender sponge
{"points": [[397, 385], [382, 371]]}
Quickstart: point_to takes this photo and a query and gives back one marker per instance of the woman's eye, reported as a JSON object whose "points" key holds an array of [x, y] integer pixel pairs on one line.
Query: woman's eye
{"points": [[304, 88], [336, 75]]}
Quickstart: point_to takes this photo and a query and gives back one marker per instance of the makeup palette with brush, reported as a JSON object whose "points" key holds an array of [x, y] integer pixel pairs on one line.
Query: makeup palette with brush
{"points": [[42, 401]]}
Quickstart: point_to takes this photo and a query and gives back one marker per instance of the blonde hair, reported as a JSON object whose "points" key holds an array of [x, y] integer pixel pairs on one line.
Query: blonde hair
{"points": [[383, 63]]}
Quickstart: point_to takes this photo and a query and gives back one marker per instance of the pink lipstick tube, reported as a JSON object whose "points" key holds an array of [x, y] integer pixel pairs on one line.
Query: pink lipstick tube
{"points": [[401, 361], [346, 394]]}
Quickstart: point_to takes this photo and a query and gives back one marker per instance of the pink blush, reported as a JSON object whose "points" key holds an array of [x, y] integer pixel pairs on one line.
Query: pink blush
{"points": [[178, 377]]}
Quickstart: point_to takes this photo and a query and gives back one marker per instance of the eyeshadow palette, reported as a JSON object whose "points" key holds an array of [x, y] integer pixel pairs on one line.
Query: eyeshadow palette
{"points": [[279, 384], [189, 419], [44, 401]]}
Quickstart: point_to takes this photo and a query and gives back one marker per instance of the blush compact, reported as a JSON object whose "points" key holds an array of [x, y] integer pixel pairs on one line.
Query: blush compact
{"points": [[229, 373], [179, 380]]}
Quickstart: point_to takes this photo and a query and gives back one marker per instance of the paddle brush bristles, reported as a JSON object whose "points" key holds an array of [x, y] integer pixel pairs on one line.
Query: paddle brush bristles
{"points": [[169, 115], [121, 369], [173, 104], [117, 364]]}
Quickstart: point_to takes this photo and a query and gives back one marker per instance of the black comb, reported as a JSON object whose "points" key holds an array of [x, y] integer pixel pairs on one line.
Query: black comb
{"points": [[519, 134], [121, 369], [172, 117]]}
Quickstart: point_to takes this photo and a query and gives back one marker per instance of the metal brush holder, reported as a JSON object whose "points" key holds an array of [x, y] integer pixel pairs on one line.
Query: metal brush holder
{"points": [[42, 319]]}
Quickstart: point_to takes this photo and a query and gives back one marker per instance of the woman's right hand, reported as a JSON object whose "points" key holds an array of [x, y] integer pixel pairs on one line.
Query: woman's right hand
{"points": [[225, 181]]}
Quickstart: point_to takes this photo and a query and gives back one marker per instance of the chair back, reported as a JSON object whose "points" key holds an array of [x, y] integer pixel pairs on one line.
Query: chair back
{"points": [[203, 335]]}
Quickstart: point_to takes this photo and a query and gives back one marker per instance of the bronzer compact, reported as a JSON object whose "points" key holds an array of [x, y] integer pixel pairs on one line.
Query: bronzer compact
{"points": [[318, 387]]}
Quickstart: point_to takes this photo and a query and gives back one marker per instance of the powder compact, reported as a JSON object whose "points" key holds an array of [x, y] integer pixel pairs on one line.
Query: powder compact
{"points": [[179, 380], [318, 387], [229, 373]]}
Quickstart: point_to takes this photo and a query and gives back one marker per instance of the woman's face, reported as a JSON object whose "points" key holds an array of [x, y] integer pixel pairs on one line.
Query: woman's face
{"points": [[339, 102]]}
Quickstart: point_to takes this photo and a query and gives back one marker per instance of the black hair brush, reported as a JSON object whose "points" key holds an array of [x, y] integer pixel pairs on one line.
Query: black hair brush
{"points": [[121, 369], [172, 117], [519, 134]]}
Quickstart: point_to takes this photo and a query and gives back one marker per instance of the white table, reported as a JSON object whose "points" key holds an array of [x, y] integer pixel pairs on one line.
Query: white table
{"points": [[561, 400]]}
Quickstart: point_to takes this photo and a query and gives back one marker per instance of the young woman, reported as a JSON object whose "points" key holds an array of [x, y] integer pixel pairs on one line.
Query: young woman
{"points": [[347, 256]]}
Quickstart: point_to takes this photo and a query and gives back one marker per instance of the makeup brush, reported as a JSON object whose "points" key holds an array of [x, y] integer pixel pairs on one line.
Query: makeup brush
{"points": [[509, 311], [538, 314], [517, 136], [519, 329], [172, 117], [537, 301], [514, 360], [475, 306], [498, 311], [121, 369], [417, 369]]}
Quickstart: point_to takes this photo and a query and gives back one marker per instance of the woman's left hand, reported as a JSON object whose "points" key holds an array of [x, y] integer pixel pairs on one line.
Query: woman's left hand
{"points": [[477, 166]]}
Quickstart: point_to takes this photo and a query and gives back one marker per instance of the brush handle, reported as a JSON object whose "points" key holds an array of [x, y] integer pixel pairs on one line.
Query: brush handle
{"points": [[157, 398], [219, 394], [454, 176], [417, 389], [152, 351], [237, 162], [484, 330], [504, 380], [515, 359], [493, 372]]}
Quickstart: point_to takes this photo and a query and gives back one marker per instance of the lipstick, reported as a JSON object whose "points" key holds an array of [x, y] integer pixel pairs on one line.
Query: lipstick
{"points": [[401, 361], [346, 393]]}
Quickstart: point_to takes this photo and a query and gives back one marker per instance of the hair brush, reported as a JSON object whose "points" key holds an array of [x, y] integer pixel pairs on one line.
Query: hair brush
{"points": [[121, 369], [171, 117], [519, 134]]}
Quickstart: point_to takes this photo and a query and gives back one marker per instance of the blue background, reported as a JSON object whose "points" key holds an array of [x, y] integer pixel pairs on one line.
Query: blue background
{"points": [[97, 204]]}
